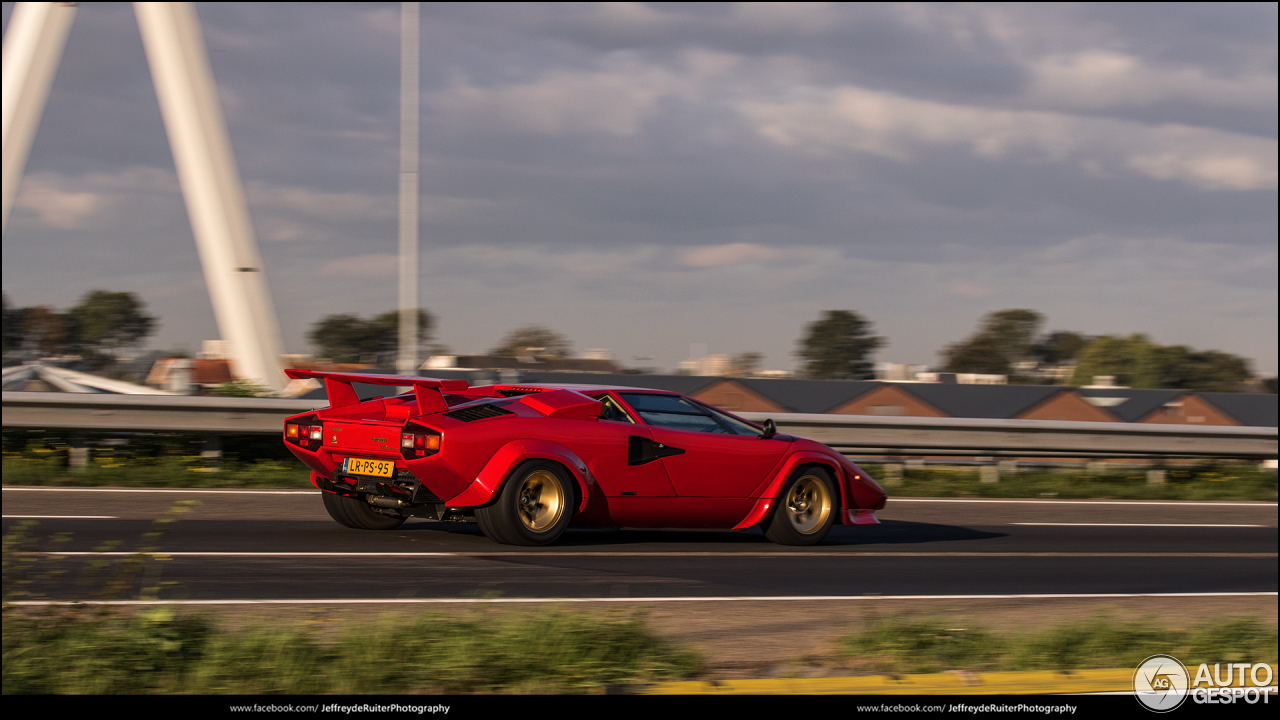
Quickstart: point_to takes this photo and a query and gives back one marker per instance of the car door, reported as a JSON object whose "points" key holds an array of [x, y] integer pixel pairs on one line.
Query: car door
{"points": [[610, 448], [705, 454]]}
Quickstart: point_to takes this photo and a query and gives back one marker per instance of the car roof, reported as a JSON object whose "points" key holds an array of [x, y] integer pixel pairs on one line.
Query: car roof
{"points": [[587, 388]]}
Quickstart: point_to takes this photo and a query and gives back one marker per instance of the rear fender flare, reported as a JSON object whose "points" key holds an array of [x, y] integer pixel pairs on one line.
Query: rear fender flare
{"points": [[770, 495], [489, 480]]}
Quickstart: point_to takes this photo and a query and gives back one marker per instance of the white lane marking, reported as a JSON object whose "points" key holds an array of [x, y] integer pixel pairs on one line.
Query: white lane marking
{"points": [[605, 554], [1176, 503], [745, 598], [61, 517], [162, 490], [1135, 524]]}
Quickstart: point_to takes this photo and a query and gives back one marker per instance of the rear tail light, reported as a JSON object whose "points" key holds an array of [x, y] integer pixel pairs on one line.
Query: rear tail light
{"points": [[416, 442], [306, 432]]}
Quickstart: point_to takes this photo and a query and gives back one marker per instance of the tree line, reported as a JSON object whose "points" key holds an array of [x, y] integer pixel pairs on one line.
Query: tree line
{"points": [[96, 329], [1010, 342], [839, 345]]}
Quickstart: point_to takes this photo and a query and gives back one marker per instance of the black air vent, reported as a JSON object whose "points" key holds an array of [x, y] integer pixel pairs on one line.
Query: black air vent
{"points": [[515, 392], [478, 412]]}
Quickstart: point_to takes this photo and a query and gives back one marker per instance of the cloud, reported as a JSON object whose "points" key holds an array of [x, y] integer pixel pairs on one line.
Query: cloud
{"points": [[362, 267], [905, 129], [728, 254], [615, 99], [969, 290], [54, 207], [319, 204], [1106, 78]]}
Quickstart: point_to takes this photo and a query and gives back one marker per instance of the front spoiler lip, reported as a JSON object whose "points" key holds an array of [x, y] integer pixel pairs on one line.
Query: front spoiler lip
{"points": [[862, 517]]}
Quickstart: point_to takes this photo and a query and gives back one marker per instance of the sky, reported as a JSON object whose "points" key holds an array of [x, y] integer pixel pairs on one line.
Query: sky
{"points": [[650, 177]]}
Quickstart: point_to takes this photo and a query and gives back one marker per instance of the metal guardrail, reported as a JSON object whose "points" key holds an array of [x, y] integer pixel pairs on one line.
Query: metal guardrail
{"points": [[877, 435], [158, 413], [861, 434]]}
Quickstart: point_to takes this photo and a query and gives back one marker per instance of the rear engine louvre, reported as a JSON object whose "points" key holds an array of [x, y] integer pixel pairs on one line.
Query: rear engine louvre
{"points": [[478, 412]]}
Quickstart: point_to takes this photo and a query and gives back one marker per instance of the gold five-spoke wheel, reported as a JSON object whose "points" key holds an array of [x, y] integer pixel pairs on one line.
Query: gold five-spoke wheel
{"points": [[534, 506], [808, 504], [541, 500], [806, 509]]}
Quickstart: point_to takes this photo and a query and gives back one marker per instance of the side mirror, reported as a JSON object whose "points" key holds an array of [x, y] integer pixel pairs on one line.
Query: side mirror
{"points": [[770, 429]]}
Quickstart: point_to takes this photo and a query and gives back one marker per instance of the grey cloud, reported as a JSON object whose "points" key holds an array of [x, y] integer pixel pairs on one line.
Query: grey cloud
{"points": [[598, 164]]}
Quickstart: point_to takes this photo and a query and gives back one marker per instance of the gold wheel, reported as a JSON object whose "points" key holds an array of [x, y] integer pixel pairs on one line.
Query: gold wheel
{"points": [[541, 500], [808, 504]]}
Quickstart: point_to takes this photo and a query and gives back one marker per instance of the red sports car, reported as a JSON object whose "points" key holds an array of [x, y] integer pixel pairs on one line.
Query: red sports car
{"points": [[527, 461]]}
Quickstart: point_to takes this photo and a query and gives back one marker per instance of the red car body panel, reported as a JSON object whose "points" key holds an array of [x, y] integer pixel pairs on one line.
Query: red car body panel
{"points": [[489, 480], [696, 479]]}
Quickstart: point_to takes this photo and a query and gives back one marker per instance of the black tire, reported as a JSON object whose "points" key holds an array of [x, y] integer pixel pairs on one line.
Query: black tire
{"points": [[355, 513], [533, 508], [335, 509], [805, 509]]}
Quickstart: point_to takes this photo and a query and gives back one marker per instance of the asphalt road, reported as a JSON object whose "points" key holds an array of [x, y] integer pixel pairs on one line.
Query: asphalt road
{"points": [[281, 545]]}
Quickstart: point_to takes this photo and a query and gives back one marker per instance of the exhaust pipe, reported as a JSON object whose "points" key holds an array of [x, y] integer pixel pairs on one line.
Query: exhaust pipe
{"points": [[387, 502]]}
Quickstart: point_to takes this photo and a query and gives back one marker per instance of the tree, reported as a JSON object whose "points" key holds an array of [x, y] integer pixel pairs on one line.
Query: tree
{"points": [[979, 354], [1060, 346], [533, 341], [1130, 360], [1004, 338], [13, 331], [108, 321], [1136, 361], [838, 346], [48, 332], [349, 338], [743, 364]]}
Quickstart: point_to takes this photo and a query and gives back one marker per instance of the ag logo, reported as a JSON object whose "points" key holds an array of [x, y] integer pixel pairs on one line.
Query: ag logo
{"points": [[1160, 683]]}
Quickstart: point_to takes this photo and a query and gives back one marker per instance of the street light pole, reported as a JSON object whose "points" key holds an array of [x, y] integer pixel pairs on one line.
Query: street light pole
{"points": [[407, 360]]}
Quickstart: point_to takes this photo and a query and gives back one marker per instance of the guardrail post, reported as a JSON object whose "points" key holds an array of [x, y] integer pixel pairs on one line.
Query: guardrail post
{"points": [[80, 452], [211, 453], [891, 474], [1007, 467], [989, 473], [1156, 474]]}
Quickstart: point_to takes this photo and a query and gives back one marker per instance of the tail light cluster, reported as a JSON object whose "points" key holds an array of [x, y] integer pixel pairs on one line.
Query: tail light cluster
{"points": [[306, 432], [416, 442]]}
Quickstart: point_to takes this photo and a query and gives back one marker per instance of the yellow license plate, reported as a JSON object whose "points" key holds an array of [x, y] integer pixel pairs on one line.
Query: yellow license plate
{"points": [[363, 466]]}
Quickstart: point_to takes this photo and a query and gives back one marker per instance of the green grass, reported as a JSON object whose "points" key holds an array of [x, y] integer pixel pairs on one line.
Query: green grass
{"points": [[160, 651], [94, 650], [1206, 482], [166, 471], [906, 645], [37, 457]]}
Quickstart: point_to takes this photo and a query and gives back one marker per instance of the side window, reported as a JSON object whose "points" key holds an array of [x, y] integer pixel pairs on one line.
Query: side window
{"points": [[674, 413], [611, 410], [741, 427]]}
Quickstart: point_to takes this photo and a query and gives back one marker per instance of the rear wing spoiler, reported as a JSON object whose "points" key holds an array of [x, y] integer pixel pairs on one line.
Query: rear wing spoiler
{"points": [[428, 391]]}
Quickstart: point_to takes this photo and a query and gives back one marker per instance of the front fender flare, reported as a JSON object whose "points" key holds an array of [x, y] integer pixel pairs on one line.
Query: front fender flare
{"points": [[489, 481], [805, 457]]}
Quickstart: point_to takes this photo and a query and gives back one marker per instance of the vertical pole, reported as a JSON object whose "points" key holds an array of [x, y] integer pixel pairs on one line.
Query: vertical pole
{"points": [[407, 360], [32, 49], [211, 187]]}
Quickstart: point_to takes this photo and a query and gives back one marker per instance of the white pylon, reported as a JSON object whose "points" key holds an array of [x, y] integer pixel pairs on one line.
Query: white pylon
{"points": [[32, 48], [211, 187], [202, 153]]}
